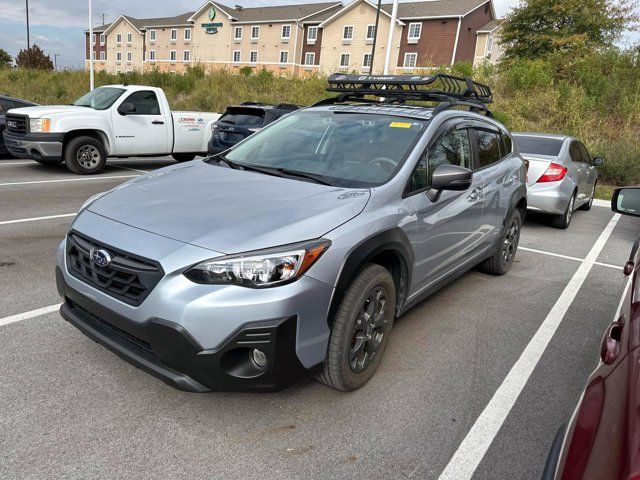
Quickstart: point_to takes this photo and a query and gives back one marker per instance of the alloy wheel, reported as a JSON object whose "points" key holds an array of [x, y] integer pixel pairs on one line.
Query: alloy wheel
{"points": [[88, 156], [511, 242], [569, 213], [368, 330]]}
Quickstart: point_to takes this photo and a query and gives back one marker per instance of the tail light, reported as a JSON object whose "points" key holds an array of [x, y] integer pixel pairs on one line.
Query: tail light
{"points": [[554, 173]]}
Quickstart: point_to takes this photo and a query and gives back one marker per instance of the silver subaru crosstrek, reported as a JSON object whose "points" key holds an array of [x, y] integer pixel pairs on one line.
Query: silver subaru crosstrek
{"points": [[290, 255]]}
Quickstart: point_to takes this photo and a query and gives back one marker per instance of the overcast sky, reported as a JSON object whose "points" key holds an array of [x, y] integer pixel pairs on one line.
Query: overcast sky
{"points": [[57, 27]]}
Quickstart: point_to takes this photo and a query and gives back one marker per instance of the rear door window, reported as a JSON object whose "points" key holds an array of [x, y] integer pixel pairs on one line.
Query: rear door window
{"points": [[574, 152], [489, 145]]}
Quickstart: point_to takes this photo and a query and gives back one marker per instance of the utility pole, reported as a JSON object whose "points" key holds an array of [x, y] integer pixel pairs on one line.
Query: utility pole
{"points": [[91, 46], [55, 61], [28, 40], [102, 15], [394, 15], [375, 37]]}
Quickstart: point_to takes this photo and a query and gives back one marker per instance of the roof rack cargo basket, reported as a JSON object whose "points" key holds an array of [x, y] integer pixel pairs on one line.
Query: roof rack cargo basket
{"points": [[449, 90]]}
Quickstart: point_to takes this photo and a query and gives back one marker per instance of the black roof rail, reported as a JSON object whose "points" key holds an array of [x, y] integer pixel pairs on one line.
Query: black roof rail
{"points": [[447, 90]]}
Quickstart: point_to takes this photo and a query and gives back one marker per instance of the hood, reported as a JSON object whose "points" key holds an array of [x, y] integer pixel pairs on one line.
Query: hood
{"points": [[229, 211], [37, 112], [538, 165]]}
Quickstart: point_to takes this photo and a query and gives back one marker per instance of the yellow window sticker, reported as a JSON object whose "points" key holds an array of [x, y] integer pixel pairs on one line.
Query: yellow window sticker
{"points": [[400, 125]]}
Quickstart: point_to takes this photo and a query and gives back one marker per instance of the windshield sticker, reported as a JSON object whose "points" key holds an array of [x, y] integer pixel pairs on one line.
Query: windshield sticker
{"points": [[400, 125]]}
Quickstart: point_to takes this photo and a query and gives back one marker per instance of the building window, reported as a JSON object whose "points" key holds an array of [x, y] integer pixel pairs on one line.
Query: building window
{"points": [[152, 35], [255, 33], [490, 44], [347, 33], [186, 55], [366, 61], [371, 32], [119, 57], [174, 34], [253, 56], [286, 32], [118, 72], [237, 34], [415, 30], [237, 56], [187, 34], [410, 60], [103, 39], [129, 57], [103, 56], [310, 58], [93, 39], [312, 34], [119, 38], [345, 60], [172, 55], [284, 56], [152, 55], [129, 38]]}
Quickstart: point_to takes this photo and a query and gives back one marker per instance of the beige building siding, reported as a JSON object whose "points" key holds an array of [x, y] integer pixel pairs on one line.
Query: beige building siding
{"points": [[488, 53], [360, 16], [212, 50], [163, 46], [135, 48]]}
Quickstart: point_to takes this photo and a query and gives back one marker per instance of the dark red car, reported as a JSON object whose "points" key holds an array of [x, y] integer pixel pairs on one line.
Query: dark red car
{"points": [[602, 441]]}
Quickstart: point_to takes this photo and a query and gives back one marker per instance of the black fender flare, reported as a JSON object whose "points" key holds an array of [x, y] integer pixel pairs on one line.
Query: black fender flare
{"points": [[517, 197], [394, 241]]}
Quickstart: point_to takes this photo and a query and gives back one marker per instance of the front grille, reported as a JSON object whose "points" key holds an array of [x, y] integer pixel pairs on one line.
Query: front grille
{"points": [[127, 278], [17, 124]]}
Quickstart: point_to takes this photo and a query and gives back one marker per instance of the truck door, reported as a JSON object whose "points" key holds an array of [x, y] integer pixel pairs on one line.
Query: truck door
{"points": [[141, 127]]}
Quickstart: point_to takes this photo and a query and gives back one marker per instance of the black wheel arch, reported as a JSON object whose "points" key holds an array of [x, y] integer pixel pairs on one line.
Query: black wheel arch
{"points": [[519, 202], [392, 250], [98, 135]]}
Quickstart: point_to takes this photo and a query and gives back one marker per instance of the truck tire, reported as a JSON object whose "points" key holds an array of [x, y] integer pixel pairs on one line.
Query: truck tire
{"points": [[502, 260], [183, 157], [85, 156], [361, 330]]}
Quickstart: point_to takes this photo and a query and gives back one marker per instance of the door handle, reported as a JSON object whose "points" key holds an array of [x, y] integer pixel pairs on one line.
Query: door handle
{"points": [[475, 195], [157, 122], [612, 343]]}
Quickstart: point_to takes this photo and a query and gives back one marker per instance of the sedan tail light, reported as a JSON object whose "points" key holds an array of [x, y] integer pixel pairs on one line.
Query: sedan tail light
{"points": [[554, 173]]}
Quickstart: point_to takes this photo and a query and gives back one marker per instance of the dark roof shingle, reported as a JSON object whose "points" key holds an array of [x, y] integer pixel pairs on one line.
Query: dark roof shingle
{"points": [[434, 8], [279, 12]]}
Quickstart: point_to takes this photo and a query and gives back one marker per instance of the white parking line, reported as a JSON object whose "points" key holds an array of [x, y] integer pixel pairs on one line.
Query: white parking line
{"points": [[25, 162], [128, 168], [35, 219], [566, 257], [32, 314], [80, 179], [475, 445]]}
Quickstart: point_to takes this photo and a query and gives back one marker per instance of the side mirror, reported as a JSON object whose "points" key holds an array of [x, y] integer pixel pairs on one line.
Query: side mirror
{"points": [[626, 201], [126, 108], [449, 177], [597, 161]]}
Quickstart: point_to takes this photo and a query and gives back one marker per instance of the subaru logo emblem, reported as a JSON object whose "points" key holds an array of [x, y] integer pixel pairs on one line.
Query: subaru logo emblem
{"points": [[101, 257]]}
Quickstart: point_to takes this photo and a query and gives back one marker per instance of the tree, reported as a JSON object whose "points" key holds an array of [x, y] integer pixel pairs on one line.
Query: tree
{"points": [[5, 58], [538, 28], [34, 58]]}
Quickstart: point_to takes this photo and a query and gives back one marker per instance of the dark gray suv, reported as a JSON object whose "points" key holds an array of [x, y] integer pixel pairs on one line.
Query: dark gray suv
{"points": [[290, 256]]}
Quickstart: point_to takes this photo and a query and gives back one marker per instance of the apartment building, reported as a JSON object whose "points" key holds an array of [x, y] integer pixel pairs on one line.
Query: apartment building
{"points": [[489, 46], [295, 39]]}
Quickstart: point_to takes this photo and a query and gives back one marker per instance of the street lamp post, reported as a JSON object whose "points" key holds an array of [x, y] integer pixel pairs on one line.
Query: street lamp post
{"points": [[394, 15], [375, 37], [28, 39], [55, 61], [91, 46]]}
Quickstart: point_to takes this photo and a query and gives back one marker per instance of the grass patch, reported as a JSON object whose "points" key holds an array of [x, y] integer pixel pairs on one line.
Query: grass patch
{"points": [[604, 192]]}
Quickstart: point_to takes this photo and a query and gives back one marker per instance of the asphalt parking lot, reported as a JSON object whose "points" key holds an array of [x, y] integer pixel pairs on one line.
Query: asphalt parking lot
{"points": [[471, 385]]}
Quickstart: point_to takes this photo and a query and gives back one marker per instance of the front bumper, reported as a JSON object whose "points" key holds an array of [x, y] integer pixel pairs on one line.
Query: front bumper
{"points": [[39, 146], [166, 350], [550, 197]]}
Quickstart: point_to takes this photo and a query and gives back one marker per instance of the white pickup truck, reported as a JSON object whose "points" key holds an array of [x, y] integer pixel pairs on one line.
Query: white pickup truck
{"points": [[111, 121]]}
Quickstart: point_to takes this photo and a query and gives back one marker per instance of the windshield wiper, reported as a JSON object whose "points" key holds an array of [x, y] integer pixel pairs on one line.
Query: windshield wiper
{"points": [[322, 180], [222, 159]]}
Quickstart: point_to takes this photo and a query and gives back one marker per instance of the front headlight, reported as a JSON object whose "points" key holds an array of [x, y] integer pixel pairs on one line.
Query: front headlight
{"points": [[40, 125], [266, 268]]}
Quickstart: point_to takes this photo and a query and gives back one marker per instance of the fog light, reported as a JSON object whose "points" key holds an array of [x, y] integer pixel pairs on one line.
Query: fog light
{"points": [[259, 358]]}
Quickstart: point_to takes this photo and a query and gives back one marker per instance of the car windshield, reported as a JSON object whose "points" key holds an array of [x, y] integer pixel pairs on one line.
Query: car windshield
{"points": [[345, 149], [538, 145], [100, 99]]}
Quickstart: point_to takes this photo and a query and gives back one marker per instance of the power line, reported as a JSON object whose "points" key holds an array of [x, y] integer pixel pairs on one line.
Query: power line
{"points": [[102, 15]]}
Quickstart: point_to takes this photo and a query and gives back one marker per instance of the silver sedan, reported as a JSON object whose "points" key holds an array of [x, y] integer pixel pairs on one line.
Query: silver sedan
{"points": [[562, 175]]}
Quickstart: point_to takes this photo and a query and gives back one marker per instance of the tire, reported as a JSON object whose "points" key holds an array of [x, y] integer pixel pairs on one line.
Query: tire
{"points": [[506, 249], [347, 369], [85, 156], [563, 221], [587, 206], [183, 157]]}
